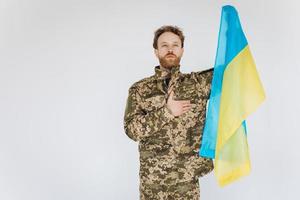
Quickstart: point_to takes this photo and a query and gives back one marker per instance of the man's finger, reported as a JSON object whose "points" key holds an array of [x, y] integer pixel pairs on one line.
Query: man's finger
{"points": [[187, 106], [185, 103], [185, 110]]}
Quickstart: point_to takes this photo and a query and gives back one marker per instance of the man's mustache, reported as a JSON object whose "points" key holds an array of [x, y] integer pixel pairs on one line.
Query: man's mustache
{"points": [[170, 54]]}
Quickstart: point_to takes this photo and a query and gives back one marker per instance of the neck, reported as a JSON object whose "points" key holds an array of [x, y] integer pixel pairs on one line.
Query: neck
{"points": [[165, 68]]}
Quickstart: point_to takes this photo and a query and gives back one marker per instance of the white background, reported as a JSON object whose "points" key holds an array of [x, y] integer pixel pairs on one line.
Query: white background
{"points": [[65, 70]]}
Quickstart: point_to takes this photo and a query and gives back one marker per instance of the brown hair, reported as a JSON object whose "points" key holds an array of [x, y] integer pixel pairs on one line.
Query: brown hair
{"points": [[168, 28]]}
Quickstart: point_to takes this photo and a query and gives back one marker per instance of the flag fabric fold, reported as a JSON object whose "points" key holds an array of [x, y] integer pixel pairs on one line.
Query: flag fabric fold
{"points": [[236, 92]]}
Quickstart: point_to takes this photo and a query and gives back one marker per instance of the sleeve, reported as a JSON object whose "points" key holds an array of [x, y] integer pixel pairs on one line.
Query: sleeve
{"points": [[138, 123], [203, 82], [207, 166]]}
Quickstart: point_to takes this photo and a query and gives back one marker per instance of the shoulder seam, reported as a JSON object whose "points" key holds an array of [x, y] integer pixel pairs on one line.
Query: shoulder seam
{"points": [[137, 83], [207, 70]]}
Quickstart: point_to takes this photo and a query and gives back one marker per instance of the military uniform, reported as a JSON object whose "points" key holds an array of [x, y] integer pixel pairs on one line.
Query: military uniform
{"points": [[170, 164]]}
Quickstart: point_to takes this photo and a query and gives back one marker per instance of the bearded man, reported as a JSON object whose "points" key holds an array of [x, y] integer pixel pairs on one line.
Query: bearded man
{"points": [[165, 114]]}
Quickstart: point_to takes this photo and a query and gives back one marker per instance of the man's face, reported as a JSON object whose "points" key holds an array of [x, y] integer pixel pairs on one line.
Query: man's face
{"points": [[169, 50]]}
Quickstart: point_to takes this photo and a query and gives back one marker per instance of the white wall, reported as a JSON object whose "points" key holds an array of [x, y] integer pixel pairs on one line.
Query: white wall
{"points": [[65, 70]]}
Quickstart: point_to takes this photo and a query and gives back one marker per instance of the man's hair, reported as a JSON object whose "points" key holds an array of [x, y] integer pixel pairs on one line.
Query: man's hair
{"points": [[168, 28]]}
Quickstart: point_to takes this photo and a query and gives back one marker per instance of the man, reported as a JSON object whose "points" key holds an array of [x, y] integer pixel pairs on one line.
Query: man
{"points": [[165, 113]]}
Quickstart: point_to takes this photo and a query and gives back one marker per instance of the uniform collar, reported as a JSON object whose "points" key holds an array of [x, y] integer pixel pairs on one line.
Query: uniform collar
{"points": [[162, 73]]}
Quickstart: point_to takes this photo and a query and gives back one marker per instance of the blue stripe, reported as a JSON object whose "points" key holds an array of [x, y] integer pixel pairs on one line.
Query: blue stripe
{"points": [[231, 41]]}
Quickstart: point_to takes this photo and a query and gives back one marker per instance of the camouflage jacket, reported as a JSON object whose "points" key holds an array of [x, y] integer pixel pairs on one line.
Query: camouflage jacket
{"points": [[169, 145]]}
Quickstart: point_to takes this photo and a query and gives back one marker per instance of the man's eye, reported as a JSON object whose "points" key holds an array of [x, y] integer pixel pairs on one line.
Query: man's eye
{"points": [[164, 45]]}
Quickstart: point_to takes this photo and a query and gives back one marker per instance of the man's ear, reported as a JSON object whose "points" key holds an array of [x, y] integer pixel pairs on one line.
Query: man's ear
{"points": [[156, 52]]}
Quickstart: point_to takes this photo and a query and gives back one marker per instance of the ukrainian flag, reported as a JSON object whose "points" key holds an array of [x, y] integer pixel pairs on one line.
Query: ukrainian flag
{"points": [[236, 92]]}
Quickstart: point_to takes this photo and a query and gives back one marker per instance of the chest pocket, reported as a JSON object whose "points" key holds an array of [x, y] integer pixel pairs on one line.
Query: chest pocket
{"points": [[153, 102], [186, 90]]}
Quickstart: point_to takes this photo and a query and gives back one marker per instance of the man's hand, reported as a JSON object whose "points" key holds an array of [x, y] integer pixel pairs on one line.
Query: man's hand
{"points": [[177, 107]]}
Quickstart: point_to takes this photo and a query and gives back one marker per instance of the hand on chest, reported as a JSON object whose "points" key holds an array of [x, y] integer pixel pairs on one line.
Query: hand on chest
{"points": [[156, 95]]}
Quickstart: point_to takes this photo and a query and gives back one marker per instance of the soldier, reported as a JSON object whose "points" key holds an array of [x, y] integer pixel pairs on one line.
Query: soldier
{"points": [[165, 113]]}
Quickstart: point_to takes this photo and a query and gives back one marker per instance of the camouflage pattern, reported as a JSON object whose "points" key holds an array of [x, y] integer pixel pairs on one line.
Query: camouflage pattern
{"points": [[181, 191], [169, 145]]}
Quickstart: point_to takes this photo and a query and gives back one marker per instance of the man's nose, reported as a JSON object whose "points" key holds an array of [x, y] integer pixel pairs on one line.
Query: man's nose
{"points": [[170, 50]]}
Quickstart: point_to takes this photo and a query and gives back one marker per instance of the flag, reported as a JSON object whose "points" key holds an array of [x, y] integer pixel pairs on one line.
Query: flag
{"points": [[236, 92]]}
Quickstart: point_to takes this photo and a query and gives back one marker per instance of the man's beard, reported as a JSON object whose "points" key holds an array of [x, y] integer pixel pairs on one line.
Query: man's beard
{"points": [[169, 62]]}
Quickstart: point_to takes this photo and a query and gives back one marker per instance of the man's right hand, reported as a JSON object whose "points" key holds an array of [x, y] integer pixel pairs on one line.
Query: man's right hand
{"points": [[177, 107]]}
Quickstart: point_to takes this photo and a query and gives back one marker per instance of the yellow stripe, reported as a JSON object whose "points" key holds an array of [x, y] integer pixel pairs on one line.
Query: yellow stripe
{"points": [[242, 93]]}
